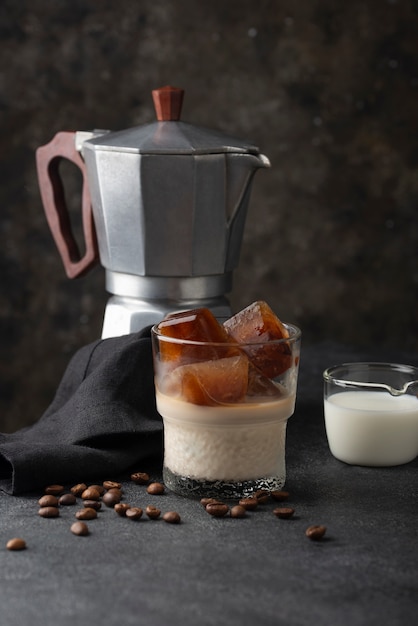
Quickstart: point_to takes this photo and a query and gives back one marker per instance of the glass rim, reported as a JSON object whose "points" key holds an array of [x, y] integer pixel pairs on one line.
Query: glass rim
{"points": [[329, 372], [294, 335]]}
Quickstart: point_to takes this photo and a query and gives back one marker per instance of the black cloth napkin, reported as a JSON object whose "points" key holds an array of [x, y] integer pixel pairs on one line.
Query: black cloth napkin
{"points": [[101, 422]]}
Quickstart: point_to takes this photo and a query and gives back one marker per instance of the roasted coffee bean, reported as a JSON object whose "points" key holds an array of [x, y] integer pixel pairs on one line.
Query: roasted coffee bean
{"points": [[78, 489], [91, 493], [205, 501], [16, 544], [98, 488], [134, 513], [48, 501], [121, 508], [280, 496], [217, 509], [250, 503], [110, 498], [49, 511], [238, 511], [79, 528], [111, 484], [88, 513], [315, 532], [155, 489], [92, 504], [152, 512], [67, 499], [140, 478], [172, 517], [54, 490], [284, 512], [262, 496]]}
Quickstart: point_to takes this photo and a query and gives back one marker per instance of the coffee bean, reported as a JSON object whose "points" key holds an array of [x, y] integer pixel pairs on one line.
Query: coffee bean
{"points": [[205, 501], [98, 488], [79, 528], [78, 489], [111, 484], [262, 496], [121, 508], [86, 514], [16, 544], [54, 490], [48, 501], [91, 493], [238, 511], [152, 512], [172, 517], [284, 512], [217, 509], [315, 532], [110, 498], [67, 499], [134, 513], [92, 504], [155, 489], [280, 496], [140, 478], [48, 511], [249, 503]]}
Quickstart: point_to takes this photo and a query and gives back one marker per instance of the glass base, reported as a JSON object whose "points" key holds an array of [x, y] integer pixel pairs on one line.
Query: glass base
{"points": [[194, 488]]}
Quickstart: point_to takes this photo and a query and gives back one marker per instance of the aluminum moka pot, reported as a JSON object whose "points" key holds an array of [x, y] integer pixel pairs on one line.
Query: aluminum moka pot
{"points": [[164, 208]]}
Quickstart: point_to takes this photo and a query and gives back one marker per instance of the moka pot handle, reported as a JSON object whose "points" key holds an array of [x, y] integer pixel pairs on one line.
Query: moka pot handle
{"points": [[48, 158]]}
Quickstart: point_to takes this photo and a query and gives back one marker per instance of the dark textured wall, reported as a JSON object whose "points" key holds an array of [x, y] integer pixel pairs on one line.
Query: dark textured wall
{"points": [[327, 89]]}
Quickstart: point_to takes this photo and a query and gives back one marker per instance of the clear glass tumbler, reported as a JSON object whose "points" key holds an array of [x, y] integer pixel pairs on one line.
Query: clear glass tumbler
{"points": [[230, 440], [371, 413]]}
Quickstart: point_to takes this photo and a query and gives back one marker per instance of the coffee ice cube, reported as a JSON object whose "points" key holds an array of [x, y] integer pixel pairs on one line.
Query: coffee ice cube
{"points": [[257, 324]]}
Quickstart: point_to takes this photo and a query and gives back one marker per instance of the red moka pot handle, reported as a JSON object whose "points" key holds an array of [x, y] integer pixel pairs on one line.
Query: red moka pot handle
{"points": [[48, 158]]}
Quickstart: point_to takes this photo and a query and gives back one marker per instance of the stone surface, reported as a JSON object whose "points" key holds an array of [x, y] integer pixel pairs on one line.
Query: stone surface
{"points": [[326, 89]]}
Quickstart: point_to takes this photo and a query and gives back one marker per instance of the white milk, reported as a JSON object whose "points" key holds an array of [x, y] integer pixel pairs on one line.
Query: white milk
{"points": [[372, 428], [229, 443]]}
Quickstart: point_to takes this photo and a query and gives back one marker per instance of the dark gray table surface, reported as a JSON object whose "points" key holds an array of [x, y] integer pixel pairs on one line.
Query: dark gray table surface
{"points": [[257, 570]]}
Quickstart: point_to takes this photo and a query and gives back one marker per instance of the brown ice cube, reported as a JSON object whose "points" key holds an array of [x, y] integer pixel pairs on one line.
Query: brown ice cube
{"points": [[258, 324], [259, 386], [223, 381], [198, 325]]}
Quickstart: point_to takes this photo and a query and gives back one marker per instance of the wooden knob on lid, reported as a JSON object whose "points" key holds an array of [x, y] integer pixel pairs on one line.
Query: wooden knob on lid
{"points": [[167, 102]]}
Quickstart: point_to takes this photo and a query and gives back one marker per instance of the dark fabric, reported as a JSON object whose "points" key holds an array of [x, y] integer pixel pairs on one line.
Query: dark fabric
{"points": [[102, 420]]}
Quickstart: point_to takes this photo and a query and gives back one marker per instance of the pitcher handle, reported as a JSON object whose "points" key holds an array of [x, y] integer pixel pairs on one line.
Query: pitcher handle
{"points": [[48, 158]]}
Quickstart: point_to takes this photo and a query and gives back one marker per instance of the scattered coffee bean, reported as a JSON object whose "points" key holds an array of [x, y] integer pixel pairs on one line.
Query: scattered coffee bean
{"points": [[54, 490], [80, 528], [152, 512], [315, 532], [16, 544], [280, 496], [111, 484], [238, 511], [217, 509], [284, 512], [98, 488], [49, 511], [155, 489], [67, 499], [134, 513], [172, 517], [92, 504], [250, 503], [91, 493], [262, 496], [86, 514], [121, 508], [78, 489], [140, 478], [205, 501], [110, 498], [48, 501]]}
